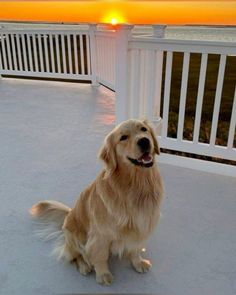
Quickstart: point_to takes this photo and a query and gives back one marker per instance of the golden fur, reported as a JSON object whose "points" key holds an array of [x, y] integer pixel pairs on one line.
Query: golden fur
{"points": [[116, 213]]}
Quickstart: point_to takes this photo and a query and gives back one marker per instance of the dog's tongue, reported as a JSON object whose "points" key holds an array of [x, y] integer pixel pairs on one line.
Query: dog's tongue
{"points": [[146, 157]]}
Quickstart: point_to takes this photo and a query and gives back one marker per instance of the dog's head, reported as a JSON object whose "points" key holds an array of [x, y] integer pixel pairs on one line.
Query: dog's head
{"points": [[132, 143]]}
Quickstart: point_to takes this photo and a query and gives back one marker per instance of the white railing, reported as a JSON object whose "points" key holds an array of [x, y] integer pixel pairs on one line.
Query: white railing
{"points": [[45, 53], [145, 100], [139, 67]]}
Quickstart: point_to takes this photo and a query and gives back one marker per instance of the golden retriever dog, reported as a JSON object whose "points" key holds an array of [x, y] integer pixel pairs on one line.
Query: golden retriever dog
{"points": [[117, 212]]}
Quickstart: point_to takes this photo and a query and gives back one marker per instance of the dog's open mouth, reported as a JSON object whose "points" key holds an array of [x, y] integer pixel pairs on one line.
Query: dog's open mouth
{"points": [[146, 160]]}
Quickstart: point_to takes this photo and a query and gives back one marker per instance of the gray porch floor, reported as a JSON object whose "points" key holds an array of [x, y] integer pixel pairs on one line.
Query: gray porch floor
{"points": [[49, 136]]}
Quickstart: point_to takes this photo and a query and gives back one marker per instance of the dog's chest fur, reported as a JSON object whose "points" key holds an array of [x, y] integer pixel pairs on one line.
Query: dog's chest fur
{"points": [[132, 205], [140, 213], [133, 227]]}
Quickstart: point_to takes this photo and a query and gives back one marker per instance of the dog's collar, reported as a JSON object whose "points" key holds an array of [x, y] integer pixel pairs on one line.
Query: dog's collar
{"points": [[141, 164]]}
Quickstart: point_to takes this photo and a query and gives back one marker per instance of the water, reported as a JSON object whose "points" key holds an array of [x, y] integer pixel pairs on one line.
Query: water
{"points": [[227, 34], [207, 33]]}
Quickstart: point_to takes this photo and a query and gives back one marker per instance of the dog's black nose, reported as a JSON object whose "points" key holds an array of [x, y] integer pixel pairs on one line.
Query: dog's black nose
{"points": [[144, 144]]}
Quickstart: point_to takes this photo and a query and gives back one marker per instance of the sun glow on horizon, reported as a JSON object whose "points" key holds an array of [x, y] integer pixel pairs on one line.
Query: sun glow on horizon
{"points": [[114, 21], [116, 12], [113, 18]]}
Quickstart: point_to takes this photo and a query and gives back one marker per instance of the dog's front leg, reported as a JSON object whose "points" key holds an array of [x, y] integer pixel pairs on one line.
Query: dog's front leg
{"points": [[140, 265], [97, 250]]}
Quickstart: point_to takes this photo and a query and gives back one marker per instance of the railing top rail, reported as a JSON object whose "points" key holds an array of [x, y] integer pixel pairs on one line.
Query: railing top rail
{"points": [[152, 43], [153, 39], [43, 31]]}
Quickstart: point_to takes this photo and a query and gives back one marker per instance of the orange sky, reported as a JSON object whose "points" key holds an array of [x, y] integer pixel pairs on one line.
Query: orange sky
{"points": [[139, 12]]}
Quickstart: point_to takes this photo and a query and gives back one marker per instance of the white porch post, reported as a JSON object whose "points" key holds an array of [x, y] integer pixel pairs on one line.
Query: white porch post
{"points": [[123, 34], [93, 54], [158, 32]]}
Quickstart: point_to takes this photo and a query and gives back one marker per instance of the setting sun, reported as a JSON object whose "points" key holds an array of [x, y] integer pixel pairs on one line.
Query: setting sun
{"points": [[114, 21], [114, 18]]}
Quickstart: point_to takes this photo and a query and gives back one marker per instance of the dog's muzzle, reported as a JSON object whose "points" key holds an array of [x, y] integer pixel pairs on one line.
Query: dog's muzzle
{"points": [[146, 160]]}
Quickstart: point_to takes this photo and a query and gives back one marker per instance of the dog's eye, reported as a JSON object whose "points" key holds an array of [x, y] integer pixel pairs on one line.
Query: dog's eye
{"points": [[143, 129], [123, 137]]}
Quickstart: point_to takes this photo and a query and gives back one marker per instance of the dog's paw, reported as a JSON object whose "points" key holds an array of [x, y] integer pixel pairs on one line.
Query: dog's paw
{"points": [[105, 278], [142, 266], [83, 267]]}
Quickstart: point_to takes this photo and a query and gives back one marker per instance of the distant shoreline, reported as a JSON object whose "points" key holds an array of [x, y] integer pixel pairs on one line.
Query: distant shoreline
{"points": [[85, 23]]}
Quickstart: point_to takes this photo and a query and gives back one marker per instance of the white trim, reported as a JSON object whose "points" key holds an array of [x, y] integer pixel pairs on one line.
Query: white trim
{"points": [[200, 148], [197, 164], [173, 45], [47, 75], [43, 31]]}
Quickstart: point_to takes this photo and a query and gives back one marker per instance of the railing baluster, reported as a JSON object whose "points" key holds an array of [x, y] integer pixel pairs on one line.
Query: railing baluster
{"points": [[150, 84], [35, 55], [52, 53], [30, 53], [13, 47], [40, 53], [1, 62], [110, 60], [81, 53], [141, 86], [219, 87], [69, 53], [9, 52], [24, 52], [4, 56], [134, 81], [76, 54], [102, 63], [113, 63], [58, 55], [169, 59], [107, 58], [19, 53], [108, 54], [46, 52], [88, 55], [63, 53], [158, 84], [232, 124], [201, 86], [99, 64], [183, 93]]}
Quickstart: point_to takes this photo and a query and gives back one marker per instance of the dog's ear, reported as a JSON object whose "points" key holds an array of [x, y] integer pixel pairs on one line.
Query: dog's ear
{"points": [[154, 138], [107, 154]]}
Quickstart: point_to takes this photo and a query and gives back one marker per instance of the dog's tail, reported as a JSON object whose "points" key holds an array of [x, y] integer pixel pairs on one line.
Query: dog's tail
{"points": [[51, 216]]}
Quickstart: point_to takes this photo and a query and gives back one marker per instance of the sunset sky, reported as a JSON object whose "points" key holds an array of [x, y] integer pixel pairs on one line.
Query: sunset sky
{"points": [[139, 12]]}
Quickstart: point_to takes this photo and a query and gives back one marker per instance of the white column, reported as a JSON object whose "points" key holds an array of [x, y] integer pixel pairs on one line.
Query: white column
{"points": [[158, 32], [93, 53], [123, 34]]}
